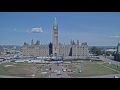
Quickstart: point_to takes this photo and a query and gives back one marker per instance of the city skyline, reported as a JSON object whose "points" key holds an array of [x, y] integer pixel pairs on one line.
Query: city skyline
{"points": [[95, 28]]}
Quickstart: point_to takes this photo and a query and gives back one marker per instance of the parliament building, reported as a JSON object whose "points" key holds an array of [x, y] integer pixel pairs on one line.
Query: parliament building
{"points": [[36, 49]]}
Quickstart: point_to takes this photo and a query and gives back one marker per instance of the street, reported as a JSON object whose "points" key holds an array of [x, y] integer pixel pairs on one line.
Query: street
{"points": [[4, 61], [108, 60], [58, 68]]}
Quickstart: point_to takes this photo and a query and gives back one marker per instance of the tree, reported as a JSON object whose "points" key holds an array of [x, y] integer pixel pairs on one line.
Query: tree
{"points": [[7, 52], [107, 53], [96, 50]]}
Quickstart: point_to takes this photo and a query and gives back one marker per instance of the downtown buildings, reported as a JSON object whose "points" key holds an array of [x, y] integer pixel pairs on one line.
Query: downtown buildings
{"points": [[55, 48]]}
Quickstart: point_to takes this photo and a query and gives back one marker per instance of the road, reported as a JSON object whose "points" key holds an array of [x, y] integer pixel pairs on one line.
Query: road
{"points": [[4, 61], [108, 60], [58, 68]]}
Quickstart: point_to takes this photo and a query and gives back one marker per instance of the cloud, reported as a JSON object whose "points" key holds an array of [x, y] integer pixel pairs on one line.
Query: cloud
{"points": [[117, 36], [37, 30], [114, 36]]}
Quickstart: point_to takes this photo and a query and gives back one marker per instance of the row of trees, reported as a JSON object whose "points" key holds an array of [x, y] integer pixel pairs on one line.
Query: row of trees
{"points": [[99, 51], [96, 50]]}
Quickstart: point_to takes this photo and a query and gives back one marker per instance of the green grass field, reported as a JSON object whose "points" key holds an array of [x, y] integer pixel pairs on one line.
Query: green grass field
{"points": [[21, 69], [94, 68]]}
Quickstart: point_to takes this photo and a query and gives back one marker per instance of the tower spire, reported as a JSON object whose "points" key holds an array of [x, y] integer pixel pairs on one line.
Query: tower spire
{"points": [[55, 22], [77, 42]]}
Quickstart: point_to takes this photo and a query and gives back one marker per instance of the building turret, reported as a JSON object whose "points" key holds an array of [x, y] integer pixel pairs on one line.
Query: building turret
{"points": [[25, 43], [37, 42], [71, 42], [77, 42], [74, 42], [118, 47], [32, 42]]}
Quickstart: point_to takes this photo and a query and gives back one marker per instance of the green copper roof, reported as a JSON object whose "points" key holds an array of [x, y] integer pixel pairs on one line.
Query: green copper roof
{"points": [[55, 22]]}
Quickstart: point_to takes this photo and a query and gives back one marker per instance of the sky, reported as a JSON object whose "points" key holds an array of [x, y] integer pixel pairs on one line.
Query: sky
{"points": [[95, 28]]}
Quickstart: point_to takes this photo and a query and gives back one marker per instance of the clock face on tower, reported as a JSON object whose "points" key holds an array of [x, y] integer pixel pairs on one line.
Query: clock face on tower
{"points": [[55, 27]]}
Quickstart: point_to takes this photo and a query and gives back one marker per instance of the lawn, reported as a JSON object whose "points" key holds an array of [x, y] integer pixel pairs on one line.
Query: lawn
{"points": [[94, 68], [22, 69], [17, 69], [112, 66]]}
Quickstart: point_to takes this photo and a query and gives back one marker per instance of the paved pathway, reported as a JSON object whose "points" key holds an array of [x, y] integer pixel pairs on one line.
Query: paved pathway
{"points": [[108, 60], [58, 68]]}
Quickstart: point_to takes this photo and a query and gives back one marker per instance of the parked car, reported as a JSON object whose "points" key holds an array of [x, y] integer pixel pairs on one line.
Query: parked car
{"points": [[55, 71], [69, 70], [64, 69], [52, 71], [59, 73]]}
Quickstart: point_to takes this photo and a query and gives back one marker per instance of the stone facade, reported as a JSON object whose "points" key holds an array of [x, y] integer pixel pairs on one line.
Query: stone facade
{"points": [[74, 49], [35, 50]]}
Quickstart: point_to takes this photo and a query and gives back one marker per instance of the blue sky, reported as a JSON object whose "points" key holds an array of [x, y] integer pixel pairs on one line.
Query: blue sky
{"points": [[95, 28]]}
